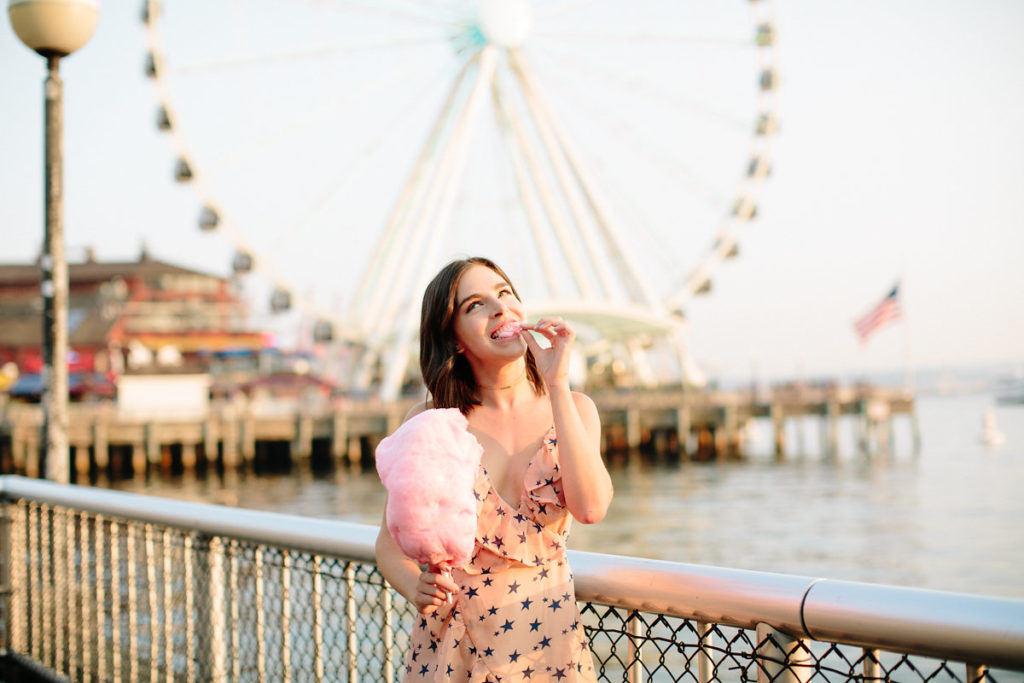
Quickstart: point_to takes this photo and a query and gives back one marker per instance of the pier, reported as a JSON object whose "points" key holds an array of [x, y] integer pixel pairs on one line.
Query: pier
{"points": [[702, 426]]}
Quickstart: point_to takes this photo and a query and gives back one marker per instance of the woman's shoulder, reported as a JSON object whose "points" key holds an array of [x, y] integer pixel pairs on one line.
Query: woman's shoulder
{"points": [[420, 407], [585, 405]]}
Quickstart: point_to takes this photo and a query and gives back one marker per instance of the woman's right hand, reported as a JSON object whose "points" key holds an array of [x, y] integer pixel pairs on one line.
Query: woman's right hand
{"points": [[433, 590]]}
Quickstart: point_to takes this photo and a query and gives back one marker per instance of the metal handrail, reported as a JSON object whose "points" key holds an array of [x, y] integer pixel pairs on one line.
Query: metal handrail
{"points": [[962, 627]]}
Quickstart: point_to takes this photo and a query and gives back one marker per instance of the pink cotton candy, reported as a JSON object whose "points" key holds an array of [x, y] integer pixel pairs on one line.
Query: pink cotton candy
{"points": [[510, 330], [429, 466]]}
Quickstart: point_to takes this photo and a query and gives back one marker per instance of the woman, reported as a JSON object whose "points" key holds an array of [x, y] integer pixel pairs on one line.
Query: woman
{"points": [[510, 614]]}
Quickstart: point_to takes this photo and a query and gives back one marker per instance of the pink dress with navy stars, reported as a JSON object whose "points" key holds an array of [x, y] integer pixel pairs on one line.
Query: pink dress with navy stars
{"points": [[515, 618]]}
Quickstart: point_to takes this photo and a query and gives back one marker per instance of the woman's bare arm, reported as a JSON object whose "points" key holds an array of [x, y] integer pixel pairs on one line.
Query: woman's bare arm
{"points": [[426, 590], [587, 486]]}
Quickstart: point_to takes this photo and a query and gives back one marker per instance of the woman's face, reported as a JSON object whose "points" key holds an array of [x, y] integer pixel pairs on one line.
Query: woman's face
{"points": [[484, 303]]}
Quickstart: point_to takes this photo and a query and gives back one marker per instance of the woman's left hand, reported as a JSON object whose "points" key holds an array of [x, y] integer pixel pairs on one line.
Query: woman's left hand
{"points": [[552, 362]]}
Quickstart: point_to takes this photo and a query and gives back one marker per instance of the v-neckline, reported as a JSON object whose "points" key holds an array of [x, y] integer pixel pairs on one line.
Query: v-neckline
{"points": [[522, 484]]}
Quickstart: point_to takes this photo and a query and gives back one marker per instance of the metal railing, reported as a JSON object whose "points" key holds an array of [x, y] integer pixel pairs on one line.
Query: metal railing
{"points": [[107, 586]]}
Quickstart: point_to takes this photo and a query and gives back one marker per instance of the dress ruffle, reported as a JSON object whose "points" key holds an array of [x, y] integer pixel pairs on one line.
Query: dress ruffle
{"points": [[533, 532]]}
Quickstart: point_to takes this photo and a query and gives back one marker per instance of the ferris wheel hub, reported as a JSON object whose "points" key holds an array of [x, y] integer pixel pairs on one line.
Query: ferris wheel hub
{"points": [[505, 23]]}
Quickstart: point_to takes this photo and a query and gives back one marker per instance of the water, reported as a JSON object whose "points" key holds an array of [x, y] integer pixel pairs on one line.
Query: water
{"points": [[951, 518]]}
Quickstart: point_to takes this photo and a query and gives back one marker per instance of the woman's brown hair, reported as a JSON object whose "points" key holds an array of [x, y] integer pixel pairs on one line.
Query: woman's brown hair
{"points": [[446, 373]]}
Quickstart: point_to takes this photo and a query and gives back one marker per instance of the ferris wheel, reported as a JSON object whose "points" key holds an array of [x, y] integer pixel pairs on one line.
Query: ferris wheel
{"points": [[607, 154]]}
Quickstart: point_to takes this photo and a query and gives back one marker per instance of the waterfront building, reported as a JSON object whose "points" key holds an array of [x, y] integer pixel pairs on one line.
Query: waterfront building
{"points": [[145, 316]]}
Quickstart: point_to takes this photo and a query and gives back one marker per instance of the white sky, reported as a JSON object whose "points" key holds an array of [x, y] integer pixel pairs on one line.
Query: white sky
{"points": [[901, 155]]}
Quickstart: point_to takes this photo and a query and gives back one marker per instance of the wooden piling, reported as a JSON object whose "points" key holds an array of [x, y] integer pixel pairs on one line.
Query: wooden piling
{"points": [[778, 417], [33, 456], [100, 444], [683, 427], [247, 438], [339, 435], [830, 430], [302, 444], [231, 456], [633, 436], [188, 455], [211, 437], [138, 455], [152, 440]]}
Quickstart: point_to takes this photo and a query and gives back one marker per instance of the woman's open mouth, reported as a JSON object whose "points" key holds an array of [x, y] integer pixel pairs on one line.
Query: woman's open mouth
{"points": [[507, 331]]}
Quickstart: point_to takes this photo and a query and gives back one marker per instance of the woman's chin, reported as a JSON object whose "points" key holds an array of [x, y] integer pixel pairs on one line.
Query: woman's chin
{"points": [[513, 346]]}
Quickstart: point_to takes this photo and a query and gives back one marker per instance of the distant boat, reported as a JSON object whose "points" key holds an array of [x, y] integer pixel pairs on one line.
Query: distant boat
{"points": [[1010, 389], [990, 434]]}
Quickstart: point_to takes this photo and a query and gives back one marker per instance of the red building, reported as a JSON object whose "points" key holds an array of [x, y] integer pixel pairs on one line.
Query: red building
{"points": [[147, 316]]}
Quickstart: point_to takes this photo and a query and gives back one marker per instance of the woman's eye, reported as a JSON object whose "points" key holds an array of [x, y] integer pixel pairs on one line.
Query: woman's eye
{"points": [[472, 305]]}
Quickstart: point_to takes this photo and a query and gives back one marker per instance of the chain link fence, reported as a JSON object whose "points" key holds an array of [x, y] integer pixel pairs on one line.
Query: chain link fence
{"points": [[101, 598]]}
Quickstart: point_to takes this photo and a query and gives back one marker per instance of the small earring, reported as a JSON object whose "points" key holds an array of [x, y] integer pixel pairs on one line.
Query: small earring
{"points": [[458, 348]]}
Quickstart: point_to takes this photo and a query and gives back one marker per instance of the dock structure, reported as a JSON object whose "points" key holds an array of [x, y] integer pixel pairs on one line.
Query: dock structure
{"points": [[712, 425], [693, 425]]}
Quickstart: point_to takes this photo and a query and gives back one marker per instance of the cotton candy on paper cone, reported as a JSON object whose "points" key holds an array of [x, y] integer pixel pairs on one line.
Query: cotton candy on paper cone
{"points": [[429, 466]]}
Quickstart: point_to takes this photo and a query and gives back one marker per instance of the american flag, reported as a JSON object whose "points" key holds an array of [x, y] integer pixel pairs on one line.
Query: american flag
{"points": [[885, 311]]}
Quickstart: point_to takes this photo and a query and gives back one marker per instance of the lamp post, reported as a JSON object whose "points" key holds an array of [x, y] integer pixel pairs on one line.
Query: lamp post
{"points": [[54, 29]]}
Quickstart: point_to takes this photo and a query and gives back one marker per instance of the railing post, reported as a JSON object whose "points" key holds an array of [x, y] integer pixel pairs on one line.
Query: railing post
{"points": [[34, 584], [389, 634], [133, 602], [6, 585], [781, 658], [352, 641], [169, 573], [190, 608], [872, 666], [286, 616], [115, 596], [318, 621], [635, 638], [214, 668], [47, 634], [261, 641], [705, 641], [99, 543], [90, 579], [977, 673], [75, 584], [154, 637], [236, 659]]}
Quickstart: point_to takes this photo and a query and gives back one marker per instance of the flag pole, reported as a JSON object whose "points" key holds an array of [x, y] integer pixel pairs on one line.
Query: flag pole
{"points": [[910, 381]]}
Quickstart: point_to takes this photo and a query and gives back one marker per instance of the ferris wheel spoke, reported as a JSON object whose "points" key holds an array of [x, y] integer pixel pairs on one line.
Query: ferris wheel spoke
{"points": [[631, 83], [630, 274], [548, 199], [566, 8], [659, 243], [395, 11], [625, 131], [526, 191], [321, 52], [384, 264], [646, 38], [399, 77], [569, 189], [366, 153]]}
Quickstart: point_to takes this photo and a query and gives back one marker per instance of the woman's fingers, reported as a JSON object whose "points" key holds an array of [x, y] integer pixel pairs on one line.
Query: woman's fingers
{"points": [[434, 589], [551, 328]]}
